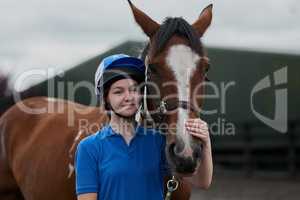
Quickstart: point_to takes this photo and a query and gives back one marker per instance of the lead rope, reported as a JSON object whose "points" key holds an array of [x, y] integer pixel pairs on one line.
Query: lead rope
{"points": [[172, 185]]}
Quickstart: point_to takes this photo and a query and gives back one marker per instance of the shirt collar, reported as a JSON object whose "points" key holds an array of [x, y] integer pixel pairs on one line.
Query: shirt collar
{"points": [[108, 132]]}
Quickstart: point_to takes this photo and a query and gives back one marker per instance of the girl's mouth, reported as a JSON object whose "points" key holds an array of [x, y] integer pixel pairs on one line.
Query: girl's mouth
{"points": [[129, 106]]}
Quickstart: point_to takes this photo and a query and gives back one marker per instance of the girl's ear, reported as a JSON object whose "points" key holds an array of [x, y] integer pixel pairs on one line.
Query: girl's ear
{"points": [[106, 102]]}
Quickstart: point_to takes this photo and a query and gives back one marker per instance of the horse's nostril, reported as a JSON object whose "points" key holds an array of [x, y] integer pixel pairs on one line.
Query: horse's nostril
{"points": [[172, 149], [175, 150], [197, 152], [178, 149]]}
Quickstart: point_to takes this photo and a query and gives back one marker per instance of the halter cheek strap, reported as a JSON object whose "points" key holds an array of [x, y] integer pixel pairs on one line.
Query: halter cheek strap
{"points": [[144, 106]]}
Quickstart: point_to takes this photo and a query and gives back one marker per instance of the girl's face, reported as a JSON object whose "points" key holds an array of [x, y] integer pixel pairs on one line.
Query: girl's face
{"points": [[124, 97]]}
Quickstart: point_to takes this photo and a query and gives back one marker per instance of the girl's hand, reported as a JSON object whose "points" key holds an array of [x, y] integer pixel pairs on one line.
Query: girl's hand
{"points": [[199, 129]]}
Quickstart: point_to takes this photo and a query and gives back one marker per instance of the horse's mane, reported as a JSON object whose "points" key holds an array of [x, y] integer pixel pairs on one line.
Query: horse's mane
{"points": [[170, 27]]}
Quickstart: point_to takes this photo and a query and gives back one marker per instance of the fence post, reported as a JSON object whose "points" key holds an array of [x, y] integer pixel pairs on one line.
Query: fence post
{"points": [[248, 163], [291, 150]]}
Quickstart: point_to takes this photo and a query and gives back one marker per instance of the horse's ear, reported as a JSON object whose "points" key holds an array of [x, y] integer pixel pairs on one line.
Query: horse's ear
{"points": [[204, 20], [148, 25]]}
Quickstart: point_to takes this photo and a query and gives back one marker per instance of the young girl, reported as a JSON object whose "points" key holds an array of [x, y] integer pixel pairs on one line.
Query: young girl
{"points": [[124, 160]]}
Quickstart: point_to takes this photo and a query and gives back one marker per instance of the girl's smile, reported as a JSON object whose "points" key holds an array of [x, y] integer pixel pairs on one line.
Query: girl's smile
{"points": [[124, 97]]}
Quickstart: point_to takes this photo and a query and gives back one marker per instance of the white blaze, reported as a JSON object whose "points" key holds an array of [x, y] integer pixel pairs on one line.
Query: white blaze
{"points": [[183, 62]]}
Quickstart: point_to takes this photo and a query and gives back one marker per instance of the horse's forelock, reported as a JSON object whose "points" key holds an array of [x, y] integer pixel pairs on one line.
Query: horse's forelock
{"points": [[169, 28], [176, 26]]}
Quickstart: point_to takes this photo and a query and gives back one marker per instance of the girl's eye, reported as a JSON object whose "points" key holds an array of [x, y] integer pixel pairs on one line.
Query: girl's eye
{"points": [[133, 89], [117, 92]]}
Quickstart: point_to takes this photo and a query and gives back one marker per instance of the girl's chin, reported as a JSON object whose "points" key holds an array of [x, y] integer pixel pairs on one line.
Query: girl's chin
{"points": [[129, 112]]}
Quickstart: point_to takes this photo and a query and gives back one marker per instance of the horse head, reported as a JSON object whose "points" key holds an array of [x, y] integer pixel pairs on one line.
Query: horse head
{"points": [[176, 68]]}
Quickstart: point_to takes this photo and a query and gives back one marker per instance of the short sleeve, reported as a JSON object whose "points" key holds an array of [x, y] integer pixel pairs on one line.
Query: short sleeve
{"points": [[86, 169], [164, 166]]}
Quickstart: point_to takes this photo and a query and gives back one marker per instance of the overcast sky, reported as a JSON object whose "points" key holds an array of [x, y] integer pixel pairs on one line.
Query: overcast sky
{"points": [[62, 33]]}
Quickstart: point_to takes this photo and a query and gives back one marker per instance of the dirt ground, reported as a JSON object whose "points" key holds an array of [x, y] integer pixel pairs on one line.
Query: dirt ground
{"points": [[229, 185]]}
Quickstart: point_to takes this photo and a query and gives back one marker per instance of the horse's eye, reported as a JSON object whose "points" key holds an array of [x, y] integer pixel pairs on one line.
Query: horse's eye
{"points": [[207, 67], [152, 66], [206, 71]]}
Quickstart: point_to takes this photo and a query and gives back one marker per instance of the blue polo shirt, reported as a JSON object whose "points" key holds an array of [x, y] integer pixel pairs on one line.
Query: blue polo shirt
{"points": [[106, 165]]}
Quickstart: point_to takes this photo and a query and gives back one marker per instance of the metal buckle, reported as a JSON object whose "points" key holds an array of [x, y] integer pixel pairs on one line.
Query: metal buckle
{"points": [[172, 185], [162, 107]]}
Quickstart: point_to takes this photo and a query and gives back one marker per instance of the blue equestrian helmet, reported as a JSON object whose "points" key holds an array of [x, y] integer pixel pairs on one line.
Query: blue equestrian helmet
{"points": [[116, 67]]}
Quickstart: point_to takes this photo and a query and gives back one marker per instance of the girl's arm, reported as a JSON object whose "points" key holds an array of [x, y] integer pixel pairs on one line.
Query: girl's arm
{"points": [[87, 196], [202, 178]]}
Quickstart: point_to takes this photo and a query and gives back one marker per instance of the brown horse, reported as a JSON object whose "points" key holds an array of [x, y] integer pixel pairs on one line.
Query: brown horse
{"points": [[39, 135]]}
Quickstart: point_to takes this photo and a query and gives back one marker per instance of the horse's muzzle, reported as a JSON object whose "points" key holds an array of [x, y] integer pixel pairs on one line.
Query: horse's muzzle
{"points": [[180, 163]]}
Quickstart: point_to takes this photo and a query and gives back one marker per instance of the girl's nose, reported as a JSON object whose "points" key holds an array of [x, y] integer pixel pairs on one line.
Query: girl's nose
{"points": [[129, 95]]}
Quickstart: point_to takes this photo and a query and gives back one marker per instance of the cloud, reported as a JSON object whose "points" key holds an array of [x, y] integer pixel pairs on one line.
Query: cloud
{"points": [[45, 33]]}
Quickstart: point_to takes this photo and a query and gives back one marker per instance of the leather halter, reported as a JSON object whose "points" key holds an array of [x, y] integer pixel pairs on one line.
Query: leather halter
{"points": [[161, 107]]}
